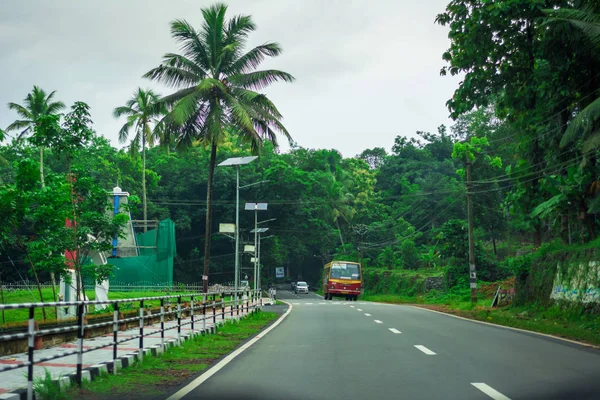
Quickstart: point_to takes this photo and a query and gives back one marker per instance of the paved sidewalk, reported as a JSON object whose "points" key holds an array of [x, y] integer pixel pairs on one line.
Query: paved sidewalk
{"points": [[17, 378]]}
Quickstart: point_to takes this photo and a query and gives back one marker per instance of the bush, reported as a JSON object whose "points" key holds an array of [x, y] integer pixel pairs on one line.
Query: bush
{"points": [[410, 255]]}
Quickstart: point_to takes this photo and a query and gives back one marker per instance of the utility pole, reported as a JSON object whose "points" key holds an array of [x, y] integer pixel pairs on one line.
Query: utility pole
{"points": [[472, 270]]}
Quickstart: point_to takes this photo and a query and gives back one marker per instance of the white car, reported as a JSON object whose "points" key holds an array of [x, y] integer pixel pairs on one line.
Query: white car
{"points": [[301, 287]]}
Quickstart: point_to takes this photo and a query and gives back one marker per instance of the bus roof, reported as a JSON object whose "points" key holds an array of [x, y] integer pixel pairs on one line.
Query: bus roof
{"points": [[341, 261]]}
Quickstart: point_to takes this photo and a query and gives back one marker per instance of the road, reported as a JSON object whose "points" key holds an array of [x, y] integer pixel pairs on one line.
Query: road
{"points": [[359, 350]]}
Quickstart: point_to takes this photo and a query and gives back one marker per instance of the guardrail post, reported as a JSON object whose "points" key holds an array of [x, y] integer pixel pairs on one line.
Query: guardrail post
{"points": [[141, 345], [203, 314], [214, 306], [179, 320], [233, 302], [192, 313], [237, 306], [222, 306], [162, 323], [80, 328], [115, 335], [31, 332]]}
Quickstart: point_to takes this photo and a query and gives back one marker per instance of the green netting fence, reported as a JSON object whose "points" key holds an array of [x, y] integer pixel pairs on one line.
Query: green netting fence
{"points": [[155, 261]]}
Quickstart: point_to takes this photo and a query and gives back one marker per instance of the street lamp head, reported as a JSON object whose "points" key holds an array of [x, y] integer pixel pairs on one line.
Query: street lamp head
{"points": [[237, 161], [256, 206]]}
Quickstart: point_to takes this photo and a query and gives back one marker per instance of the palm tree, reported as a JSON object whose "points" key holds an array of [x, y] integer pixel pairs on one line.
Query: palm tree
{"points": [[216, 84], [37, 105], [586, 124], [143, 111]]}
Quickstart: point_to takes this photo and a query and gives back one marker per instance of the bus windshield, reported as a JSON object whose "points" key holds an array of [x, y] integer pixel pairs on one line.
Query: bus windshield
{"points": [[344, 271]]}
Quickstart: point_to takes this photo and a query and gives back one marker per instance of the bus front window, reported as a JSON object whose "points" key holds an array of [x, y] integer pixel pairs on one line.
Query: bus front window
{"points": [[345, 271]]}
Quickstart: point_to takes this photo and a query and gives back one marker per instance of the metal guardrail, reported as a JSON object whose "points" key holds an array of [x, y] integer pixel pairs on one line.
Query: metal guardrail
{"points": [[116, 286], [198, 313]]}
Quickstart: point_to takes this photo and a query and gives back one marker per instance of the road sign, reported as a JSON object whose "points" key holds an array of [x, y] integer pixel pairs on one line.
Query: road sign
{"points": [[279, 272], [226, 228], [248, 248]]}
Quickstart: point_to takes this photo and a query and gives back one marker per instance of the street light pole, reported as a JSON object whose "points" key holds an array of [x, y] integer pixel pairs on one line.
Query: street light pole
{"points": [[255, 249], [256, 207], [237, 161], [237, 235]]}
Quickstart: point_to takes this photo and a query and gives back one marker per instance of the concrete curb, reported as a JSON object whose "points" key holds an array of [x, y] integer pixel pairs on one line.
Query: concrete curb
{"points": [[93, 372]]}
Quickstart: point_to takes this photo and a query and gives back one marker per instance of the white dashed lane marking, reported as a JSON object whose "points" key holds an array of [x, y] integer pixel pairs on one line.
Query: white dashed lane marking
{"points": [[358, 309], [378, 321], [493, 393], [351, 306], [368, 315], [394, 330], [424, 349]]}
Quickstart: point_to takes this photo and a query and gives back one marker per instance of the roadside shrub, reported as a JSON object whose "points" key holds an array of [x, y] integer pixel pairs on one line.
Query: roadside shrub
{"points": [[410, 255]]}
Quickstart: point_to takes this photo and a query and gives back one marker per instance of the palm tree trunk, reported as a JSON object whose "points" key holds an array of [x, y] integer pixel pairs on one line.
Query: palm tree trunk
{"points": [[42, 165], [145, 205], [339, 231], [207, 231]]}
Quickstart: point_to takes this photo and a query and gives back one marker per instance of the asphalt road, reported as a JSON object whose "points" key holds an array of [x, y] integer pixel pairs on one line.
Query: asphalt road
{"points": [[360, 350]]}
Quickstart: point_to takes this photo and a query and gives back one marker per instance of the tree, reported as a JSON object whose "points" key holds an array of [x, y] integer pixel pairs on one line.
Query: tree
{"points": [[374, 157], [37, 105], [34, 220], [143, 111], [216, 82]]}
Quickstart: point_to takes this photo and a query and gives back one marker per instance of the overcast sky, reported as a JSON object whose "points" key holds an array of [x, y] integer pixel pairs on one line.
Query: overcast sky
{"points": [[366, 70]]}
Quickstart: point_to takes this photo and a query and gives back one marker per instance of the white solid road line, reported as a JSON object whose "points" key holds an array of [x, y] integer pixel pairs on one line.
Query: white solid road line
{"points": [[493, 393], [501, 326], [394, 330], [322, 303], [202, 378], [368, 315], [378, 321], [307, 303], [358, 309], [424, 349]]}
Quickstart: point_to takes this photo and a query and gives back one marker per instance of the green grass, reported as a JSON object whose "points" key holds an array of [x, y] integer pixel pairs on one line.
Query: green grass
{"points": [[46, 388], [156, 375], [570, 323]]}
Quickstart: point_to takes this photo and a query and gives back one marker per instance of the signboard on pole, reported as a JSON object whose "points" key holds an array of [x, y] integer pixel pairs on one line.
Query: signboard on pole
{"points": [[226, 228], [248, 248], [279, 272]]}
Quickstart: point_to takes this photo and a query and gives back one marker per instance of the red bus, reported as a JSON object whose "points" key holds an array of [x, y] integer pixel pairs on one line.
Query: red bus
{"points": [[342, 278]]}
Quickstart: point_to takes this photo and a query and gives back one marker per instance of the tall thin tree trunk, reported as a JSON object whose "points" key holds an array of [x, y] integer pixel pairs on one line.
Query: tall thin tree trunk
{"points": [[145, 205], [339, 231], [207, 231], [43, 183], [37, 281], [42, 165]]}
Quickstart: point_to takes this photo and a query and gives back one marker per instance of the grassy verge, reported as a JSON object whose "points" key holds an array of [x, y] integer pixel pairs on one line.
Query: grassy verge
{"points": [[570, 323], [155, 376]]}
